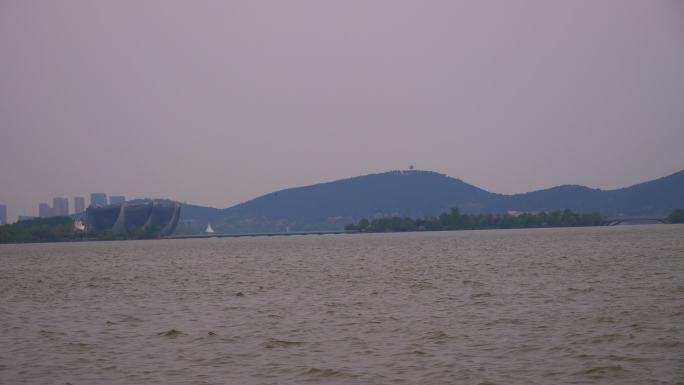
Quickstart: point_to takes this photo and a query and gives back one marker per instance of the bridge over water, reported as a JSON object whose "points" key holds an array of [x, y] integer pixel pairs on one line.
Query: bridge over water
{"points": [[635, 218]]}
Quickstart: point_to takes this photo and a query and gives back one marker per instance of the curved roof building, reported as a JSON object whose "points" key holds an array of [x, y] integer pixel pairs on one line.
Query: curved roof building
{"points": [[126, 218]]}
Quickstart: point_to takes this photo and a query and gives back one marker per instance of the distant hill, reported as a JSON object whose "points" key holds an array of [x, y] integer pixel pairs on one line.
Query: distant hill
{"points": [[658, 196], [417, 194], [332, 205]]}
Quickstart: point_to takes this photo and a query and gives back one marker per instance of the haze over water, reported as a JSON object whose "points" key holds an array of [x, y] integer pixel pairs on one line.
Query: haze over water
{"points": [[574, 305]]}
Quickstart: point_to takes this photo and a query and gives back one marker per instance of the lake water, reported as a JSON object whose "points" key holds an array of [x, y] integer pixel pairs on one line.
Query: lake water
{"points": [[552, 306]]}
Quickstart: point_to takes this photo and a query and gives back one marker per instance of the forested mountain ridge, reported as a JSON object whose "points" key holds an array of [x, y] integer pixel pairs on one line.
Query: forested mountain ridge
{"points": [[415, 194]]}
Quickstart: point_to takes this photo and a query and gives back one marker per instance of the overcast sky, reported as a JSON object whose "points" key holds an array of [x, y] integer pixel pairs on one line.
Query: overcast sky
{"points": [[216, 102]]}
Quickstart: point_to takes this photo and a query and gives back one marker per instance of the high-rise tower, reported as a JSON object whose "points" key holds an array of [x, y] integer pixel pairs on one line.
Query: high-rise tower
{"points": [[60, 207], [116, 199], [44, 210], [79, 204], [98, 199]]}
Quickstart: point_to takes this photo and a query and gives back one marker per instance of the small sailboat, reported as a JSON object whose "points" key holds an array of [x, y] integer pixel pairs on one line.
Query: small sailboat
{"points": [[209, 229], [79, 225]]}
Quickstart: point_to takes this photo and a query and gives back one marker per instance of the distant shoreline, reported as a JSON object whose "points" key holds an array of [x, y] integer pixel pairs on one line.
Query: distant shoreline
{"points": [[62, 229], [303, 233]]}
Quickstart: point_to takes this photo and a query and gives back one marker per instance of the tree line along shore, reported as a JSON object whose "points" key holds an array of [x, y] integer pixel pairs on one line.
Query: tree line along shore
{"points": [[454, 220], [62, 229]]}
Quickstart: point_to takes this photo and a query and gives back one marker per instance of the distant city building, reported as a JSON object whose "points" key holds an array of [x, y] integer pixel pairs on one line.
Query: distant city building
{"points": [[60, 207], [44, 210], [116, 199], [79, 204], [3, 215], [25, 218], [98, 199]]}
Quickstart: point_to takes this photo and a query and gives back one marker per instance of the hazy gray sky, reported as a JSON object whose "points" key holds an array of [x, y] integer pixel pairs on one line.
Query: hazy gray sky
{"points": [[216, 102]]}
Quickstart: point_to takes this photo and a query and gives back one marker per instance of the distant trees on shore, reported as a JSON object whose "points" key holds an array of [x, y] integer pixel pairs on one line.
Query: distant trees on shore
{"points": [[54, 229], [454, 220], [62, 229], [676, 216]]}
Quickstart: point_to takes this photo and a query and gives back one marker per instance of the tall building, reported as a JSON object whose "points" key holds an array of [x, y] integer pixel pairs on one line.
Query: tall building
{"points": [[44, 210], [79, 204], [60, 207], [3, 215], [116, 199], [98, 199]]}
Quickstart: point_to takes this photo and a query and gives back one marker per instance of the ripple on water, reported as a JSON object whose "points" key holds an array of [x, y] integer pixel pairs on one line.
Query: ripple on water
{"points": [[320, 374], [605, 371], [272, 343], [172, 333]]}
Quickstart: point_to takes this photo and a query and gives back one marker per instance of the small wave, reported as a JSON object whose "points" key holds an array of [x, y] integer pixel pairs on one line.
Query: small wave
{"points": [[525, 348], [505, 321], [605, 319], [49, 332], [604, 371], [129, 318], [320, 373], [661, 343], [606, 338], [275, 343], [79, 346], [437, 335], [627, 359], [422, 285], [581, 290], [171, 333]]}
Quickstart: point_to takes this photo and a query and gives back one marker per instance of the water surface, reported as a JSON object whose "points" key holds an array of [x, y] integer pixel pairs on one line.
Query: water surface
{"points": [[552, 306]]}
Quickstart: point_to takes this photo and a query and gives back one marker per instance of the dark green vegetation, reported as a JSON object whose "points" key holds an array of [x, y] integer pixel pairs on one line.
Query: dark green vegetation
{"points": [[676, 216], [61, 229], [55, 229], [454, 220], [418, 194]]}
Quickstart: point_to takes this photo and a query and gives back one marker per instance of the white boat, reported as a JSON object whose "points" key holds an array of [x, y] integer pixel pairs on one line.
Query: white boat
{"points": [[209, 230]]}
